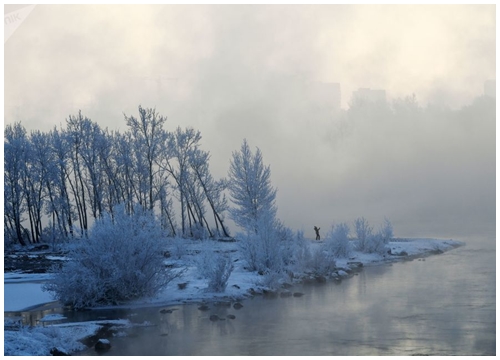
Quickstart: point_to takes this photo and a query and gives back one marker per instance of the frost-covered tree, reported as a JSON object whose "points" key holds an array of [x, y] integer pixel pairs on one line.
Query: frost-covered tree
{"points": [[376, 242], [175, 162], [34, 182], [262, 248], [126, 170], [60, 209], [15, 148], [370, 242], [83, 171], [121, 259], [337, 241], [386, 231], [363, 234], [250, 189], [75, 135], [213, 190], [148, 140], [93, 143]]}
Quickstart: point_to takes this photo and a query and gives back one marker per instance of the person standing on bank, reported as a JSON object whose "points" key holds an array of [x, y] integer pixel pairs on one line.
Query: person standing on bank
{"points": [[317, 233]]}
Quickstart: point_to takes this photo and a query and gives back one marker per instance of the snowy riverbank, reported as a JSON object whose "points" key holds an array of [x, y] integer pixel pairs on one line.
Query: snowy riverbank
{"points": [[189, 288]]}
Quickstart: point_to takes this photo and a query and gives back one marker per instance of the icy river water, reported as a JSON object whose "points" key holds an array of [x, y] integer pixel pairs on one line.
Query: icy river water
{"points": [[443, 305]]}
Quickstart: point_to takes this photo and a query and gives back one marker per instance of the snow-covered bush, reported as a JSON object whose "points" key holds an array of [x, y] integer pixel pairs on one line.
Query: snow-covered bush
{"points": [[296, 252], [199, 232], [321, 262], [215, 267], [376, 244], [363, 233], [272, 279], [178, 247], [386, 231], [122, 259], [262, 250], [337, 241]]}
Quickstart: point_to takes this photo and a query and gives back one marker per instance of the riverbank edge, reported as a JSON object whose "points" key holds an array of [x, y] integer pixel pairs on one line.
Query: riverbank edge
{"points": [[345, 269]]}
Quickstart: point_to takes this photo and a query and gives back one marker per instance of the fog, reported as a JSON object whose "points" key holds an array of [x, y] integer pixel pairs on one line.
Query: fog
{"points": [[427, 163]]}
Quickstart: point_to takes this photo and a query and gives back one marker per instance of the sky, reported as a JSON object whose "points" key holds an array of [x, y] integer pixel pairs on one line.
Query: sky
{"points": [[245, 71]]}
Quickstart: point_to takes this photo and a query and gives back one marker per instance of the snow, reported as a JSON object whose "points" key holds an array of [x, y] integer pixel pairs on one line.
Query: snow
{"points": [[60, 258], [16, 277], [52, 317], [21, 293], [41, 339]]}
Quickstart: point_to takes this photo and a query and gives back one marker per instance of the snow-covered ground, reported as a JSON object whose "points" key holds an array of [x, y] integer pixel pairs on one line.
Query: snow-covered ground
{"points": [[40, 340], [21, 291]]}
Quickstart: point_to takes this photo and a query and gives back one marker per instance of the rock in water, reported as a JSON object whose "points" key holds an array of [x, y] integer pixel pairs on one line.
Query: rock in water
{"points": [[203, 308], [320, 279], [231, 316], [214, 318], [353, 264], [297, 294], [237, 306], [56, 352], [102, 345]]}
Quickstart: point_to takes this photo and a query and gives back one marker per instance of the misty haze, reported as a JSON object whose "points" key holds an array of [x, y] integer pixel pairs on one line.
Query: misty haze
{"points": [[278, 157]]}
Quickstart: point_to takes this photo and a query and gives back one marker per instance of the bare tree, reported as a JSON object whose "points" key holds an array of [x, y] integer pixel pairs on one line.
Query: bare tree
{"points": [[213, 190], [149, 136], [14, 170]]}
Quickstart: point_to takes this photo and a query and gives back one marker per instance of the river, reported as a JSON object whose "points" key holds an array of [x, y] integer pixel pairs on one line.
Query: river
{"points": [[443, 305]]}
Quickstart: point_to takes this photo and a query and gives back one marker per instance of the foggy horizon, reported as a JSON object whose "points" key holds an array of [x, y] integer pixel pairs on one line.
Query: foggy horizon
{"points": [[236, 72]]}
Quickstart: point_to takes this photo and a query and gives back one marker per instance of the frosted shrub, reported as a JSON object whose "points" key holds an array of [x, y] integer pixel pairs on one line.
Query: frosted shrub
{"points": [[216, 268], [199, 232], [272, 279], [363, 233], [337, 241], [376, 244], [386, 231], [178, 248], [122, 259], [292, 247], [321, 262], [299, 253], [262, 250]]}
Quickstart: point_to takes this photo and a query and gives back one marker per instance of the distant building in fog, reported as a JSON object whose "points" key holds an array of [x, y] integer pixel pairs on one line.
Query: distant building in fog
{"points": [[368, 95], [490, 88]]}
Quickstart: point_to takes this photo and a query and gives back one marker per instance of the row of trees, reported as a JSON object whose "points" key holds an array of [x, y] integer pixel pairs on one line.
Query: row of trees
{"points": [[122, 258], [73, 175]]}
